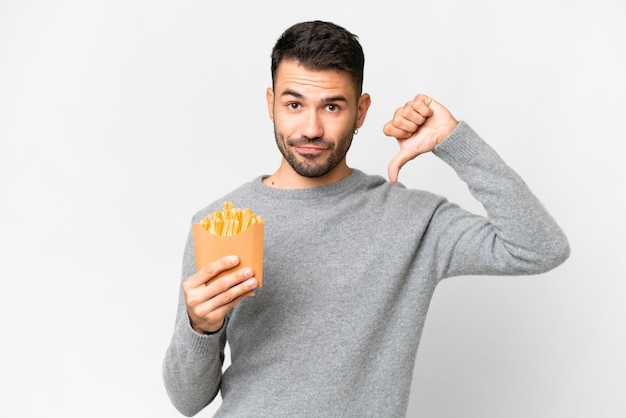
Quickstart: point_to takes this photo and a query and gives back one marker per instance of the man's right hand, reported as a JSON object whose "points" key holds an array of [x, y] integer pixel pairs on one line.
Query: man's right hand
{"points": [[208, 303]]}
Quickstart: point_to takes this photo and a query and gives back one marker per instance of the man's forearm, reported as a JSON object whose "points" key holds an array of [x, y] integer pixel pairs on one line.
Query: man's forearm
{"points": [[519, 235], [192, 368]]}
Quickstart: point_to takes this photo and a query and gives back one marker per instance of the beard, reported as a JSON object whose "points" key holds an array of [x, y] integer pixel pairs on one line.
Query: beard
{"points": [[313, 165]]}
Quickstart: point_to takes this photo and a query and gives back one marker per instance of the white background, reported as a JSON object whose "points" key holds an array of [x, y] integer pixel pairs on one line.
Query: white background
{"points": [[119, 119]]}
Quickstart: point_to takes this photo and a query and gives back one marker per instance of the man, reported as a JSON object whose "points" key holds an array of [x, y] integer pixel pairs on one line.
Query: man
{"points": [[351, 260]]}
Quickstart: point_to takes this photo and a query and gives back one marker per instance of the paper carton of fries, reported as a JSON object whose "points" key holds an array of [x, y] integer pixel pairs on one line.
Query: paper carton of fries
{"points": [[231, 231]]}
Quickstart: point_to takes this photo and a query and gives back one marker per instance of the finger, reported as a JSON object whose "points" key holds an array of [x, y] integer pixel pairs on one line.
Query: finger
{"points": [[214, 309], [392, 131], [407, 120], [212, 269], [198, 295], [421, 104], [400, 126], [415, 112], [230, 296], [393, 169], [207, 310], [224, 283]]}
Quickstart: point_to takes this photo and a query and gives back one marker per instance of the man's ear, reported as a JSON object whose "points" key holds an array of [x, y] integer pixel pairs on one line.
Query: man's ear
{"points": [[269, 96], [364, 104]]}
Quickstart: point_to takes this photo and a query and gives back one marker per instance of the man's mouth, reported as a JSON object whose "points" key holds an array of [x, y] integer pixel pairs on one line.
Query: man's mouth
{"points": [[307, 147]]}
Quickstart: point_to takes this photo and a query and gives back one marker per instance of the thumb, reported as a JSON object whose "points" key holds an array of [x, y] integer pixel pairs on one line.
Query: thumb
{"points": [[393, 169]]}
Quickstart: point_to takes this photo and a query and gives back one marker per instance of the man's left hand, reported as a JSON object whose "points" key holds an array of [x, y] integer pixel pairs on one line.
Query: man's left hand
{"points": [[418, 126]]}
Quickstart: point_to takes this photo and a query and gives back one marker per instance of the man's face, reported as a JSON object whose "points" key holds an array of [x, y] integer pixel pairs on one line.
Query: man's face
{"points": [[315, 114]]}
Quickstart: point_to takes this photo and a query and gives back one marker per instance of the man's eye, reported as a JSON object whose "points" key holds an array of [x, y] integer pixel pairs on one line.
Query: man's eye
{"points": [[332, 107], [293, 106]]}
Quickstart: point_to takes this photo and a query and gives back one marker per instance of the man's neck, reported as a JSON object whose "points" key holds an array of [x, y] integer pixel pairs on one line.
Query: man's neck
{"points": [[286, 178]]}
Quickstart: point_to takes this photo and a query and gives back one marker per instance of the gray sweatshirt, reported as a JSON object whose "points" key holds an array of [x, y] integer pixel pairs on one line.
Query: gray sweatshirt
{"points": [[349, 272]]}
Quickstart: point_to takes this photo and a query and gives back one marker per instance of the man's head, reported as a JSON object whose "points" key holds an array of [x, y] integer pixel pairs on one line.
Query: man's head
{"points": [[316, 102], [321, 46]]}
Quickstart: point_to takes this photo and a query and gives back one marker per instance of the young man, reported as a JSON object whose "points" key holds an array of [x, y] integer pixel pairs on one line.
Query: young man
{"points": [[351, 260]]}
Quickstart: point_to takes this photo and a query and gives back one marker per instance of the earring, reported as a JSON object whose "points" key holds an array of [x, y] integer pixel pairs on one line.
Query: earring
{"points": [[356, 131]]}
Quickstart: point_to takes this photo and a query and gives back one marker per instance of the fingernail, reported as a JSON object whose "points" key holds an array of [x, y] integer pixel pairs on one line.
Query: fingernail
{"points": [[234, 260]]}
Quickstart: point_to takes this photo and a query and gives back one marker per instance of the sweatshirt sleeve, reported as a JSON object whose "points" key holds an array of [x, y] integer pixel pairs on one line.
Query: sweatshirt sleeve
{"points": [[518, 236], [192, 367]]}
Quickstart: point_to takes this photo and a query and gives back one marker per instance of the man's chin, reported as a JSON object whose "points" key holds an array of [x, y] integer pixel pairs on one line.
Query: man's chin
{"points": [[312, 170], [312, 174]]}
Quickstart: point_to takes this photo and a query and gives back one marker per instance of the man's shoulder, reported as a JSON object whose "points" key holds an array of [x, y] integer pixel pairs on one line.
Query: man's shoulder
{"points": [[378, 183], [385, 194]]}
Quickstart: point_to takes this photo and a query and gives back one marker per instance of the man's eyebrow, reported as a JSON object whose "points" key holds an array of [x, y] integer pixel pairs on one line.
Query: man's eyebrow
{"points": [[293, 93], [330, 99]]}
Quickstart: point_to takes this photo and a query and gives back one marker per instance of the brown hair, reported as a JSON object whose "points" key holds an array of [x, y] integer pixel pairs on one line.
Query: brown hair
{"points": [[321, 46]]}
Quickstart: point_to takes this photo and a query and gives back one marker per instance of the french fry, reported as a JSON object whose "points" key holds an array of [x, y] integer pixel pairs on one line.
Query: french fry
{"points": [[230, 220]]}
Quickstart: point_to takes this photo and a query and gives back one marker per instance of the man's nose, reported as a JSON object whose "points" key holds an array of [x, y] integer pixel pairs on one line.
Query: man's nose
{"points": [[312, 126]]}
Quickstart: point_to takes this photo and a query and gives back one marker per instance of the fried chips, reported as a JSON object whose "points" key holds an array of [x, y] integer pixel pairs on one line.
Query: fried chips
{"points": [[230, 220]]}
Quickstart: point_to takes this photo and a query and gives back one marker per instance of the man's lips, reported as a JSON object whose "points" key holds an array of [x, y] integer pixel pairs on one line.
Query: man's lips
{"points": [[309, 147]]}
